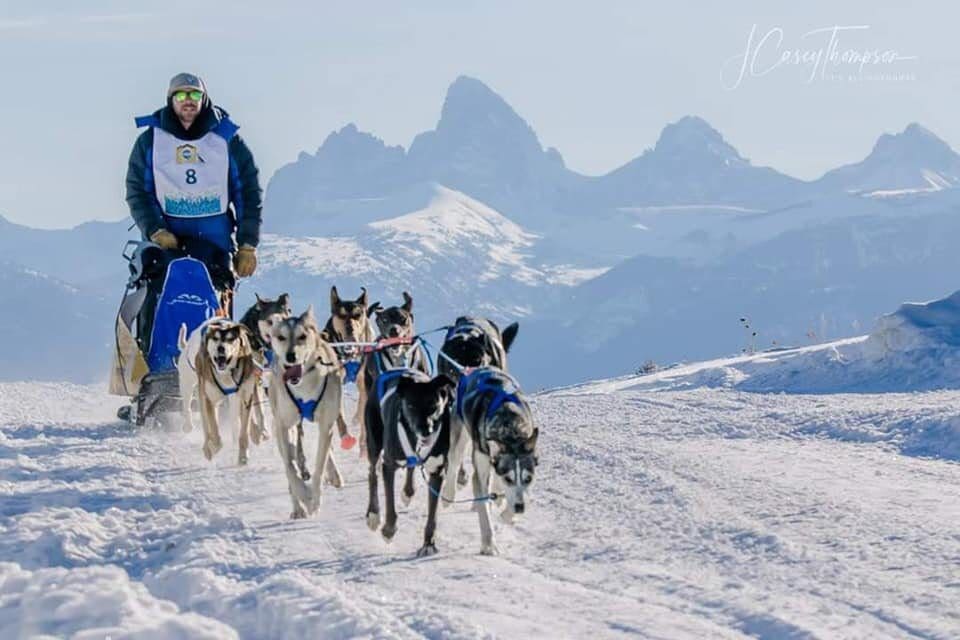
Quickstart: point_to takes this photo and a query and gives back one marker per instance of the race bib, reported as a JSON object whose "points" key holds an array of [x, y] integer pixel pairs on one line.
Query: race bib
{"points": [[191, 177]]}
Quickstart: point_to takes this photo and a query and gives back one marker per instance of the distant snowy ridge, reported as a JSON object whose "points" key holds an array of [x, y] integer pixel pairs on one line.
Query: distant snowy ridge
{"points": [[916, 348], [453, 236]]}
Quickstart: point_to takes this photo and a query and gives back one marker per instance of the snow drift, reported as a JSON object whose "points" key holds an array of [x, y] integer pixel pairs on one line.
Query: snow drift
{"points": [[916, 348]]}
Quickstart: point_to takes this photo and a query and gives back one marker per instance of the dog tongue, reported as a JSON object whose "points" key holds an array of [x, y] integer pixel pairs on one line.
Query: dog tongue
{"points": [[293, 373]]}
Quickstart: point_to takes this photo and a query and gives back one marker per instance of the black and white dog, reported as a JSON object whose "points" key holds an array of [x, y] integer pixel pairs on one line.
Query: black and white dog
{"points": [[392, 322], [492, 409], [476, 342], [260, 318], [408, 422], [470, 343]]}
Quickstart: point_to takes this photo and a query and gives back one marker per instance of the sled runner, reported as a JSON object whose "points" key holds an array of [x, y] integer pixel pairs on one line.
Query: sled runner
{"points": [[166, 288]]}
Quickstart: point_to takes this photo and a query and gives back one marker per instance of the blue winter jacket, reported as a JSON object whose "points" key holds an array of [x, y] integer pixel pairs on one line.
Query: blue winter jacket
{"points": [[243, 214]]}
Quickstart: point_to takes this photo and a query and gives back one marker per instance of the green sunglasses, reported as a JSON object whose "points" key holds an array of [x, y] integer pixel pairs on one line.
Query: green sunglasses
{"points": [[196, 96]]}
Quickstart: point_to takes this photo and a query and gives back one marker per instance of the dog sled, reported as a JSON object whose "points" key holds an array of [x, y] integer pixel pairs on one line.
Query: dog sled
{"points": [[166, 289]]}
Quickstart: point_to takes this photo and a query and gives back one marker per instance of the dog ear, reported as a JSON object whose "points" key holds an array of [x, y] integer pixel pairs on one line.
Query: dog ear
{"points": [[334, 299], [374, 308], [284, 301], [259, 300], [407, 302], [531, 443], [325, 336], [246, 341], [362, 300], [509, 335], [308, 318]]}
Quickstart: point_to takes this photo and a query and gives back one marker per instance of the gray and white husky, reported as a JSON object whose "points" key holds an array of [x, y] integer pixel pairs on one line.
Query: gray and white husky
{"points": [[307, 385], [491, 408]]}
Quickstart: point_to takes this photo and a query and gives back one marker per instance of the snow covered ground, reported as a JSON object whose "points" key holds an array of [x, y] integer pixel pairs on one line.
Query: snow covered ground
{"points": [[661, 510]]}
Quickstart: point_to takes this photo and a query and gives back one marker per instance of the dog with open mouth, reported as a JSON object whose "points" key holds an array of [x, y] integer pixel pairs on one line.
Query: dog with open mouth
{"points": [[350, 322], [471, 342], [498, 417], [408, 422], [307, 385], [217, 363]]}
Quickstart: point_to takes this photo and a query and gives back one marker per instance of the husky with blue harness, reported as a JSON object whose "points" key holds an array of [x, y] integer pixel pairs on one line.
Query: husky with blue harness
{"points": [[307, 386], [470, 342], [408, 425], [496, 414]]}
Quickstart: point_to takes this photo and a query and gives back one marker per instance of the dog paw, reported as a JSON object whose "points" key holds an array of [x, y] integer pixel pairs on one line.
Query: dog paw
{"points": [[462, 477], [406, 499], [427, 550], [373, 521], [298, 514], [388, 531], [304, 475], [313, 504], [210, 449], [335, 481], [242, 459], [489, 549]]}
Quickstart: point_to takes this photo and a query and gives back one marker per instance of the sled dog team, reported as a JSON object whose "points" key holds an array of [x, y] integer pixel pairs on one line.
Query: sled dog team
{"points": [[408, 418]]}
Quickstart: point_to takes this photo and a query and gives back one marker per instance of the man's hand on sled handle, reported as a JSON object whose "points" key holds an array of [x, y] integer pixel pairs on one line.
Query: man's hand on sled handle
{"points": [[164, 239], [245, 262]]}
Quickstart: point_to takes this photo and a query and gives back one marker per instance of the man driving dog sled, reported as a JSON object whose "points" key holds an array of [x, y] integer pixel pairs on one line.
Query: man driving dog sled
{"points": [[191, 178], [194, 191]]}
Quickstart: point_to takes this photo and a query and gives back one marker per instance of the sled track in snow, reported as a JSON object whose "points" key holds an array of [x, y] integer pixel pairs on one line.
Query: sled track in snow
{"points": [[666, 514]]}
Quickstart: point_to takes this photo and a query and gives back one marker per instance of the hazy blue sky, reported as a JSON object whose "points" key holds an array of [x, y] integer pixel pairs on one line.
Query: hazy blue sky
{"points": [[597, 80]]}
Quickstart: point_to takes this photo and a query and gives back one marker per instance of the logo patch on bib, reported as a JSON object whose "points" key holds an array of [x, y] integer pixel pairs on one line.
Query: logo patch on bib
{"points": [[187, 154]]}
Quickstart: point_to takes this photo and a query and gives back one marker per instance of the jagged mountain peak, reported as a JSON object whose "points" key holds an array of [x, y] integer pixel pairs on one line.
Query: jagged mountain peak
{"points": [[469, 99], [692, 135], [915, 141], [350, 138], [912, 161]]}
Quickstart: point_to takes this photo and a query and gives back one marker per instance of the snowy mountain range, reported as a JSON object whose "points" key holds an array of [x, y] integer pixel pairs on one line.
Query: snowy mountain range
{"points": [[656, 260]]}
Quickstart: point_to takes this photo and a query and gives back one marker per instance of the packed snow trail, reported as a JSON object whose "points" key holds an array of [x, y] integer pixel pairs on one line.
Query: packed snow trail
{"points": [[665, 514]]}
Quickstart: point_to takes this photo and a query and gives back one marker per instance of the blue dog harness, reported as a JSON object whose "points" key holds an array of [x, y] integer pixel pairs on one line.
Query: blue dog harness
{"points": [[307, 407], [501, 395], [352, 368], [390, 413]]}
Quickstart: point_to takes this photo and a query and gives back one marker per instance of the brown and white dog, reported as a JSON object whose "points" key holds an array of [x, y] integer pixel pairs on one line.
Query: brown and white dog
{"points": [[218, 362]]}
